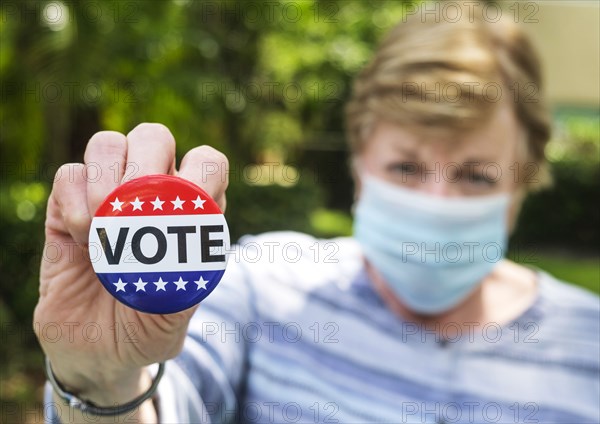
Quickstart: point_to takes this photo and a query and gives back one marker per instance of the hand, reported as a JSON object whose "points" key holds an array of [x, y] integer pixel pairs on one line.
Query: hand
{"points": [[105, 365]]}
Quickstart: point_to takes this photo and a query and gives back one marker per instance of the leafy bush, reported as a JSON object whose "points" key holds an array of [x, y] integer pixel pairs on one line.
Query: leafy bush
{"points": [[567, 214], [22, 212], [253, 209]]}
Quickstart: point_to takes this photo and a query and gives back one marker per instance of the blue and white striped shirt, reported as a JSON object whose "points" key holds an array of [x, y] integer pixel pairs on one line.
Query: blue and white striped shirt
{"points": [[295, 333]]}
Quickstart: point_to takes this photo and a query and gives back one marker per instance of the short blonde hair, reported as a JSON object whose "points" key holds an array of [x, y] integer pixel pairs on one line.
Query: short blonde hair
{"points": [[432, 73]]}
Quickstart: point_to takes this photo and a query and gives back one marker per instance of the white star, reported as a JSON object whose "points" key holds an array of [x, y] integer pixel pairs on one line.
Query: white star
{"points": [[137, 205], [178, 203], [201, 283], [140, 285], [157, 204], [180, 284], [160, 284], [120, 285], [117, 204], [198, 203]]}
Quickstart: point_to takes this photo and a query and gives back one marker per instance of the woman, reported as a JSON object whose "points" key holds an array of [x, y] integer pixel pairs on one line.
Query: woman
{"points": [[418, 318]]}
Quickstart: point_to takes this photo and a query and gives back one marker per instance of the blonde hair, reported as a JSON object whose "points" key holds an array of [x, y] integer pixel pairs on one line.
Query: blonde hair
{"points": [[439, 74]]}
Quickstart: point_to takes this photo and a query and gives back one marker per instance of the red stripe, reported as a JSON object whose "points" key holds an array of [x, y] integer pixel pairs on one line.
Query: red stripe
{"points": [[167, 188]]}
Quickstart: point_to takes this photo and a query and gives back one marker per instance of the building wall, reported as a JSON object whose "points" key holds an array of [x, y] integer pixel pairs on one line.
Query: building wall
{"points": [[567, 35]]}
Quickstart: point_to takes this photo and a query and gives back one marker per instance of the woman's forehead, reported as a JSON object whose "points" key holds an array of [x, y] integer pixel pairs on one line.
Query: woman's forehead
{"points": [[494, 140]]}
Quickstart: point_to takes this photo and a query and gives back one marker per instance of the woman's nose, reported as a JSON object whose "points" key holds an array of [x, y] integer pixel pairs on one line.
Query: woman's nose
{"points": [[434, 183]]}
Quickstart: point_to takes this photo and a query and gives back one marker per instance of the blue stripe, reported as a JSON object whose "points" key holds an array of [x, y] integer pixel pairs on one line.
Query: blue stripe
{"points": [[156, 301], [385, 379], [313, 392]]}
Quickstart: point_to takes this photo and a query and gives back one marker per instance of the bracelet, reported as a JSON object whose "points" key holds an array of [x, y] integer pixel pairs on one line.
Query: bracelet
{"points": [[88, 407]]}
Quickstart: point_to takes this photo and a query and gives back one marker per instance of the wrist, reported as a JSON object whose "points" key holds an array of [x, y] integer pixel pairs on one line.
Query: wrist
{"points": [[112, 404], [103, 386], [118, 390]]}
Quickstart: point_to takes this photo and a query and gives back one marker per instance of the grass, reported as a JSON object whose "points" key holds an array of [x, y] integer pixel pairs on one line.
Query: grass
{"points": [[580, 271]]}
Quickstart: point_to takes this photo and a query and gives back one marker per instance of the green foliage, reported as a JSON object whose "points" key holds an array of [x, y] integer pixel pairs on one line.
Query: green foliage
{"points": [[567, 214], [288, 206], [583, 271], [22, 210], [242, 76], [263, 82], [577, 137], [330, 223], [258, 80]]}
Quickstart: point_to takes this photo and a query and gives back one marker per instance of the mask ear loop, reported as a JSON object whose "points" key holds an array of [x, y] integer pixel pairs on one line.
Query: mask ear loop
{"points": [[518, 192], [356, 171]]}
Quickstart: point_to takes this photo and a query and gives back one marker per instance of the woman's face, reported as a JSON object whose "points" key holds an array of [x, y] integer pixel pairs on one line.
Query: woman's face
{"points": [[480, 162], [485, 161]]}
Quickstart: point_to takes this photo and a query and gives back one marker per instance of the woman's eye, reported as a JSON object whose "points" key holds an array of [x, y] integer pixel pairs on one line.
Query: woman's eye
{"points": [[480, 179], [404, 167]]}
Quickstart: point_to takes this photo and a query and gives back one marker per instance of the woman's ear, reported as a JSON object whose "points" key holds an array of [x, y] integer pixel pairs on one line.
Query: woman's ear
{"points": [[355, 171], [517, 198]]}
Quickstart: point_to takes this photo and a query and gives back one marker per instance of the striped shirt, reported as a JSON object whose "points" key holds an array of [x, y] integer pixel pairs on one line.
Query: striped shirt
{"points": [[295, 333]]}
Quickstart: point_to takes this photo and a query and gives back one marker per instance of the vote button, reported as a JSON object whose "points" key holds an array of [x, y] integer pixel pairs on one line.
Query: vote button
{"points": [[158, 244]]}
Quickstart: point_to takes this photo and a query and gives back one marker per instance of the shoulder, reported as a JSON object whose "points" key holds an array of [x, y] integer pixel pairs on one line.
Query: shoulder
{"points": [[297, 258], [290, 273], [567, 297], [290, 249], [278, 274], [570, 321]]}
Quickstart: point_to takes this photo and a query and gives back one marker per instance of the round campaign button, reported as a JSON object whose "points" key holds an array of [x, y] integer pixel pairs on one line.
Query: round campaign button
{"points": [[158, 244]]}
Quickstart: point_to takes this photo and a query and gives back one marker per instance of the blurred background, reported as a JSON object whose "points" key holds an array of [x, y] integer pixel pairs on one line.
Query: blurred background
{"points": [[264, 82]]}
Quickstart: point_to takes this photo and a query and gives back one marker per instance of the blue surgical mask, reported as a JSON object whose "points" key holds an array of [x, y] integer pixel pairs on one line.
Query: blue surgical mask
{"points": [[432, 251]]}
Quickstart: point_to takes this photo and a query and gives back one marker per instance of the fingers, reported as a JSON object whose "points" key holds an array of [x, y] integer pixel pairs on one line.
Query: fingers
{"points": [[105, 157], [150, 150], [111, 158], [70, 198], [209, 169]]}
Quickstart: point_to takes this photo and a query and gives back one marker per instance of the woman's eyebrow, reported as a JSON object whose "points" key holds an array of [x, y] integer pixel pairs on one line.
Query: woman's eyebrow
{"points": [[409, 153], [477, 161]]}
